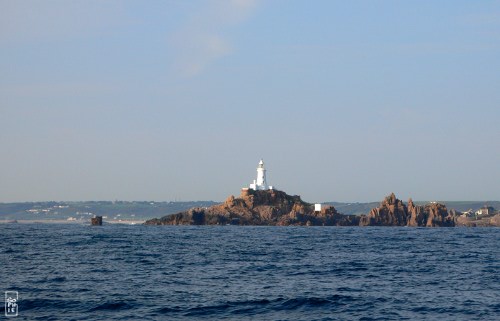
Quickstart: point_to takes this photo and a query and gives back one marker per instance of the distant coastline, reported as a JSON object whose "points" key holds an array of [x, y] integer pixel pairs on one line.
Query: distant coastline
{"points": [[138, 212], [83, 222], [142, 210]]}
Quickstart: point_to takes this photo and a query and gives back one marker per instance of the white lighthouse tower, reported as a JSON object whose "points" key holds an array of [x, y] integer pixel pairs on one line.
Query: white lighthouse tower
{"points": [[260, 183]]}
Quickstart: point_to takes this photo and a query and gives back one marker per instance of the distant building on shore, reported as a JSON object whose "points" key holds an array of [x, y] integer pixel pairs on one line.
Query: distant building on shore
{"points": [[485, 210], [260, 184], [321, 208], [468, 213]]}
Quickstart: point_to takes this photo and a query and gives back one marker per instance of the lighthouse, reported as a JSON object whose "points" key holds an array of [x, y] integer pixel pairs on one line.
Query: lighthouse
{"points": [[260, 183]]}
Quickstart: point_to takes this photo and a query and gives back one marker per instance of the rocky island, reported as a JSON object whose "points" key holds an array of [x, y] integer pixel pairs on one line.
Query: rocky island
{"points": [[259, 207], [393, 212], [261, 204], [276, 208]]}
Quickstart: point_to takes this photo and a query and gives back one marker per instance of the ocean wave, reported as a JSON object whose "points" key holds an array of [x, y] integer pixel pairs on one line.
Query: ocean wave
{"points": [[260, 306], [45, 304], [113, 305]]}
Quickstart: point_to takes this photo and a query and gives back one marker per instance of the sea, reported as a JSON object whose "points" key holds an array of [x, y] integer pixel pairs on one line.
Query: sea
{"points": [[136, 272]]}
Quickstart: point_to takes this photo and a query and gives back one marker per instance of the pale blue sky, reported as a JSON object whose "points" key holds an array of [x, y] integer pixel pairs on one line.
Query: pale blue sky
{"points": [[164, 100]]}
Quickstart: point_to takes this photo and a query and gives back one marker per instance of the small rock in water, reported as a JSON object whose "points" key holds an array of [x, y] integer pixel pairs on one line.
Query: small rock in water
{"points": [[97, 221]]}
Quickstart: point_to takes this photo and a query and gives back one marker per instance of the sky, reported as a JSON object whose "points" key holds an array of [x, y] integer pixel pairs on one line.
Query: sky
{"points": [[179, 100]]}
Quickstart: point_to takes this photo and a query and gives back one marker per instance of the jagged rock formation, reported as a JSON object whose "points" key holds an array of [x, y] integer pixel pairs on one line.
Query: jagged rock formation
{"points": [[429, 215], [393, 212], [269, 207]]}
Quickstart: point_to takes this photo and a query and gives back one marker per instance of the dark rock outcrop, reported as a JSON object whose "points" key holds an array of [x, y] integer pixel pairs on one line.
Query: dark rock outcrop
{"points": [[96, 221], [271, 207]]}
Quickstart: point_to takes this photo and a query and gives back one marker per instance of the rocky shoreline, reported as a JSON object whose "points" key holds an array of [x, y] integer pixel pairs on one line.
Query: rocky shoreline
{"points": [[276, 208]]}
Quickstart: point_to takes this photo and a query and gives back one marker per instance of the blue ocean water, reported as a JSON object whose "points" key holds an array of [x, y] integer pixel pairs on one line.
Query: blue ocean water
{"points": [[122, 272]]}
